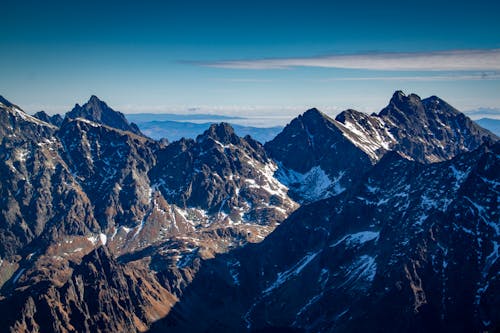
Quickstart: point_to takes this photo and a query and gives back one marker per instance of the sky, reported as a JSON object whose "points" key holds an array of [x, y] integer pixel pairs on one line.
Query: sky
{"points": [[248, 58]]}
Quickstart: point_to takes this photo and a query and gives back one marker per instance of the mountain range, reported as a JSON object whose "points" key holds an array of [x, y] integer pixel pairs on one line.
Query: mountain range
{"points": [[492, 125], [176, 130], [386, 222]]}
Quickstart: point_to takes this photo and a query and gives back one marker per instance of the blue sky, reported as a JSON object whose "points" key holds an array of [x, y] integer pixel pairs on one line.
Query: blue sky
{"points": [[248, 57]]}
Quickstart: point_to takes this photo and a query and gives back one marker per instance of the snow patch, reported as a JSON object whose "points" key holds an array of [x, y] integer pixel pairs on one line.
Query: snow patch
{"points": [[459, 175], [312, 185], [482, 213], [103, 238], [233, 270], [92, 239], [21, 154], [30, 118], [358, 238], [18, 275], [91, 123], [293, 271], [370, 140], [361, 271]]}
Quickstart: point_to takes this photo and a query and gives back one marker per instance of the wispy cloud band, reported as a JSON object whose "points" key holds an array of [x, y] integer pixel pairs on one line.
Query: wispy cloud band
{"points": [[425, 78], [454, 60]]}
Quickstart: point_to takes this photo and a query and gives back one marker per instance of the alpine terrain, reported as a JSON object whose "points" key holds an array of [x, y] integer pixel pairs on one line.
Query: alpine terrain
{"points": [[387, 222]]}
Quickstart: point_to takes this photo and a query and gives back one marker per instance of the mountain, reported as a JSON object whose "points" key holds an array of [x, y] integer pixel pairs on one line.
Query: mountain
{"points": [[224, 174], [493, 125], [99, 112], [412, 247], [176, 130], [320, 156], [55, 120], [316, 159], [70, 190], [391, 215], [431, 130]]}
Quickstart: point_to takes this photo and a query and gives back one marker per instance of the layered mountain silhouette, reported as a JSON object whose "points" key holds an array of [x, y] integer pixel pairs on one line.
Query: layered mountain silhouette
{"points": [[387, 221]]}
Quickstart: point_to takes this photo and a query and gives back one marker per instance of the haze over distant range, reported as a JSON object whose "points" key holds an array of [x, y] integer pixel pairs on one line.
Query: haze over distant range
{"points": [[248, 59]]}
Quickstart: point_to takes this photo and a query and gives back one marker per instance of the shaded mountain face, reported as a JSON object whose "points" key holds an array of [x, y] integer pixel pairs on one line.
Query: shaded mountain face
{"points": [[410, 248], [320, 156], [55, 120], [99, 112]]}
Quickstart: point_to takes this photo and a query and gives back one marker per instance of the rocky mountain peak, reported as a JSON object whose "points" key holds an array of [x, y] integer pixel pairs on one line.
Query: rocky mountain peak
{"points": [[56, 119], [436, 105], [99, 112], [221, 132], [405, 104], [93, 110], [316, 158], [350, 114], [95, 99], [313, 113], [430, 130]]}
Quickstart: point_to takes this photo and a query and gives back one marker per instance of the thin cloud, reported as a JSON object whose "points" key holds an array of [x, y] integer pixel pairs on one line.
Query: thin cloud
{"points": [[426, 78], [243, 80], [454, 60]]}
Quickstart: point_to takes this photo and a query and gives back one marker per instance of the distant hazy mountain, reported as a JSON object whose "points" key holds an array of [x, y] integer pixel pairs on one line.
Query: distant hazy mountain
{"points": [[492, 125], [197, 117], [483, 113], [175, 130]]}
